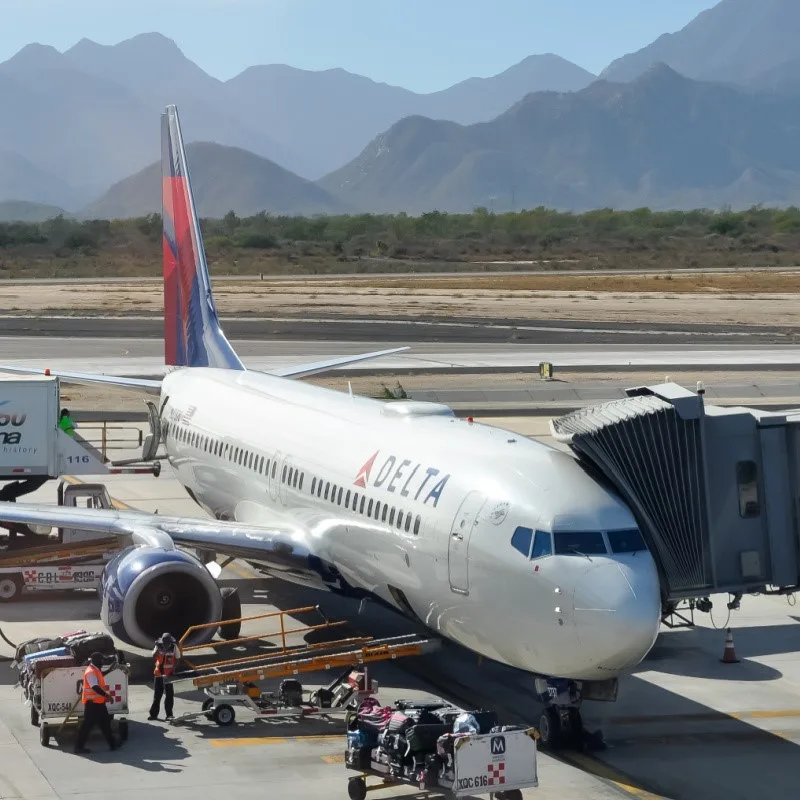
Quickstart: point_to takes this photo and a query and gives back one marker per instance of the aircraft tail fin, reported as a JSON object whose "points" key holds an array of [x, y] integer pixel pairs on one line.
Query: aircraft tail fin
{"points": [[192, 333]]}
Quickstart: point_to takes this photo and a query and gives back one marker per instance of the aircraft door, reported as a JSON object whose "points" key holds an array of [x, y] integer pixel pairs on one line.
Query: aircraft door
{"points": [[458, 545]]}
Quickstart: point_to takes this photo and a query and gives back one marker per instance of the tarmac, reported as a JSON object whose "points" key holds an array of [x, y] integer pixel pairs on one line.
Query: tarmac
{"points": [[685, 726]]}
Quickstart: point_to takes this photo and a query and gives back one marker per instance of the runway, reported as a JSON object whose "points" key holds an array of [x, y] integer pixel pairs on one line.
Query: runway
{"points": [[139, 356], [462, 330]]}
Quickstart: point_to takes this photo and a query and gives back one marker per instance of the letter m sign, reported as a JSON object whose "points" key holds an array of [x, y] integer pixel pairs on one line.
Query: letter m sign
{"points": [[498, 745]]}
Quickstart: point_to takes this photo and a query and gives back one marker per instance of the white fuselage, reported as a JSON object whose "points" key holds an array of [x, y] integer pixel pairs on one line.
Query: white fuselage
{"points": [[439, 546]]}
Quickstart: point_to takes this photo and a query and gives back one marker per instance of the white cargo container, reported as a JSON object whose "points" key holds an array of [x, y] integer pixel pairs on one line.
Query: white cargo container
{"points": [[31, 443]]}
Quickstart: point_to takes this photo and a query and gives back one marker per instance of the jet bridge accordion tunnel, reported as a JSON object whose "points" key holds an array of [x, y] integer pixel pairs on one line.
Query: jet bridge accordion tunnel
{"points": [[715, 490]]}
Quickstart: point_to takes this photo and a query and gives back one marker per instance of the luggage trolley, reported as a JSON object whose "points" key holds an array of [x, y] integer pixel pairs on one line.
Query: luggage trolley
{"points": [[59, 700], [441, 749], [51, 679], [232, 683]]}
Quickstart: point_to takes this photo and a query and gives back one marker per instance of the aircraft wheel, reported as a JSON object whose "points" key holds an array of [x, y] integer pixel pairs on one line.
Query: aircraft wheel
{"points": [[550, 732], [231, 609], [575, 728], [357, 789]]}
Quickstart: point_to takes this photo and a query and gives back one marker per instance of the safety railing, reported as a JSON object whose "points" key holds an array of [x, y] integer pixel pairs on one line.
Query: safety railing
{"points": [[106, 437], [283, 631]]}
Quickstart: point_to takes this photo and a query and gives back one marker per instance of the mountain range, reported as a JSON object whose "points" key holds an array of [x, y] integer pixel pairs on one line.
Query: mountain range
{"points": [[662, 141], [261, 185], [86, 116], [703, 116]]}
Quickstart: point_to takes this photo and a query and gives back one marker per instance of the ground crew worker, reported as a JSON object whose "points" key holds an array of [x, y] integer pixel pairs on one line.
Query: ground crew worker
{"points": [[165, 655], [65, 422], [95, 695]]}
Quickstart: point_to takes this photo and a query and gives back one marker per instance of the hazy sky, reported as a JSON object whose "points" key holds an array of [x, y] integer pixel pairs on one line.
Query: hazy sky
{"points": [[423, 45]]}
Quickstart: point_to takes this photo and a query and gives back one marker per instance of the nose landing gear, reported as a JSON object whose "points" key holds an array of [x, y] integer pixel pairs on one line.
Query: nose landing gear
{"points": [[560, 723]]}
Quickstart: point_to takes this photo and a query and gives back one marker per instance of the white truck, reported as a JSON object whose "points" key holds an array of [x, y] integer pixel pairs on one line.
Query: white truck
{"points": [[63, 558], [31, 443]]}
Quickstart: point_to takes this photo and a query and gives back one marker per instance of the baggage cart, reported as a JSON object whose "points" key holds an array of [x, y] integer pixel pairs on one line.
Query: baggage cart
{"points": [[499, 763], [56, 700]]}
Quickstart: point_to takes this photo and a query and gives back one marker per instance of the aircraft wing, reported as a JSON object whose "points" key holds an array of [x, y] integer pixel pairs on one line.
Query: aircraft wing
{"points": [[304, 370], [281, 543], [152, 387]]}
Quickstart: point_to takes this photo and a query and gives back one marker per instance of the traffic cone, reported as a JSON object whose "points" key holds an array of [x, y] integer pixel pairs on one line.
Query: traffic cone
{"points": [[729, 655]]}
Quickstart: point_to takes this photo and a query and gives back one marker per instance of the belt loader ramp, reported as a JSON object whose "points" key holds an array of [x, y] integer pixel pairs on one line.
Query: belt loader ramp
{"points": [[714, 489], [232, 682]]}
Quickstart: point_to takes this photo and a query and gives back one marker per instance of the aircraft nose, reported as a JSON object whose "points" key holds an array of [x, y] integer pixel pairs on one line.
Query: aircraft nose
{"points": [[617, 611]]}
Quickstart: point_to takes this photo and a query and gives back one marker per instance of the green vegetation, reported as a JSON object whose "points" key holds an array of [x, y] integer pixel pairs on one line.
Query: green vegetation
{"points": [[62, 247]]}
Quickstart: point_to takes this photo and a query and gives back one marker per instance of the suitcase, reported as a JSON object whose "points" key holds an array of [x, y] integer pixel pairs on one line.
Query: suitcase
{"points": [[44, 665], [93, 642], [423, 738], [36, 646], [31, 658]]}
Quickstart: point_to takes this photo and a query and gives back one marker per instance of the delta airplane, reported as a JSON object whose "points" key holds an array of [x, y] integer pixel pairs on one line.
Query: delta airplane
{"points": [[490, 539]]}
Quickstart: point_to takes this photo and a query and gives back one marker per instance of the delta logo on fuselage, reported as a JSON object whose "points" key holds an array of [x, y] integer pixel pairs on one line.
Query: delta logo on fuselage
{"points": [[406, 478]]}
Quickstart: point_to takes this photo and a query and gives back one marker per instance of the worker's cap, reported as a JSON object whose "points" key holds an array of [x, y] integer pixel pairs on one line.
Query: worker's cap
{"points": [[167, 638]]}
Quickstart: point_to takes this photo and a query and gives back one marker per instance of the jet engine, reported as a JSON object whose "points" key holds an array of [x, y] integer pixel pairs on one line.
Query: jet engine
{"points": [[147, 591]]}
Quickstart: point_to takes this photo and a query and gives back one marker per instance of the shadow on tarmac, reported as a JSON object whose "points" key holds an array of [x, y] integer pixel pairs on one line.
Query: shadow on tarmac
{"points": [[148, 748]]}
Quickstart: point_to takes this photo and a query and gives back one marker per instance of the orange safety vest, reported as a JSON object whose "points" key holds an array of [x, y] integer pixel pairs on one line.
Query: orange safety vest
{"points": [[165, 663], [89, 694]]}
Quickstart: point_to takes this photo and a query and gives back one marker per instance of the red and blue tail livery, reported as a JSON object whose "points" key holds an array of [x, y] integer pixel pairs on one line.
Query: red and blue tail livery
{"points": [[192, 334]]}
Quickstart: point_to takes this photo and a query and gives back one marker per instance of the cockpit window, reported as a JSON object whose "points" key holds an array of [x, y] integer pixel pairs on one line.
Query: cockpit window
{"points": [[542, 545], [627, 541], [521, 540], [586, 543]]}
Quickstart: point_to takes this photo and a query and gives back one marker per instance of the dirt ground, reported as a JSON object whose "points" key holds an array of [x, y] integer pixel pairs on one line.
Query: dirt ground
{"points": [[716, 299]]}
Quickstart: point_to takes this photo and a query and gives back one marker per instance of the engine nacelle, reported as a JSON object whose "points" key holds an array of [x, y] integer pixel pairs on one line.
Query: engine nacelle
{"points": [[148, 591]]}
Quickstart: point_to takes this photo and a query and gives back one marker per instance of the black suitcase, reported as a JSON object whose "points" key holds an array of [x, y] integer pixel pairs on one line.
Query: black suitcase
{"points": [[423, 738], [36, 646], [92, 643]]}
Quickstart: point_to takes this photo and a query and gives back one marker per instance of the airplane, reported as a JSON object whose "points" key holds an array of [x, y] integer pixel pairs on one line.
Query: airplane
{"points": [[490, 539]]}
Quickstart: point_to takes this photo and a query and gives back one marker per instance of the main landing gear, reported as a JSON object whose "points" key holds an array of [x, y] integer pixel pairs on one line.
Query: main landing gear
{"points": [[560, 723]]}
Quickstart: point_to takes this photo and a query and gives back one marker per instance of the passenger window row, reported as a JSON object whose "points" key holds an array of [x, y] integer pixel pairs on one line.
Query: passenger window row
{"points": [[359, 503], [356, 502], [262, 465]]}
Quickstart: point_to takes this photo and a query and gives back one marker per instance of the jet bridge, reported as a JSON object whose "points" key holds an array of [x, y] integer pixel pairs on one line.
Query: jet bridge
{"points": [[715, 490]]}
